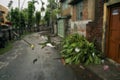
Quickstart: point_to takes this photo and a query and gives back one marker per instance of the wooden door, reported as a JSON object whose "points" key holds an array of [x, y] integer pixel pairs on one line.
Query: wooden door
{"points": [[114, 34]]}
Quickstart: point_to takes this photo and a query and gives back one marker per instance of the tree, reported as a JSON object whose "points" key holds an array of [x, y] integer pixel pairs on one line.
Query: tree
{"points": [[37, 19], [51, 13], [25, 14], [18, 19], [10, 3], [22, 22], [47, 17], [31, 9], [14, 17]]}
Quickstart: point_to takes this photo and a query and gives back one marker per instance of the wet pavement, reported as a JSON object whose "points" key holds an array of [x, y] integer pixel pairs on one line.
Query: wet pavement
{"points": [[23, 63]]}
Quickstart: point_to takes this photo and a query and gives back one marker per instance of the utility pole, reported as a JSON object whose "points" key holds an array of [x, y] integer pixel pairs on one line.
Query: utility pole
{"points": [[51, 26], [42, 7], [10, 6], [19, 27], [19, 17]]}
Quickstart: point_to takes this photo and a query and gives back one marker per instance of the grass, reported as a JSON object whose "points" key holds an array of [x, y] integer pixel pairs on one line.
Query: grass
{"points": [[8, 47]]}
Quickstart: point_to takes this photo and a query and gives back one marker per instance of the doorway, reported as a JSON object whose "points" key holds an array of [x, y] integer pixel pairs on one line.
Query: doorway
{"points": [[113, 46]]}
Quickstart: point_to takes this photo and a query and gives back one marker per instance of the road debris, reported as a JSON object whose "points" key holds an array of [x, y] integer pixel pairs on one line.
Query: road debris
{"points": [[31, 45], [35, 60], [105, 67], [49, 45]]}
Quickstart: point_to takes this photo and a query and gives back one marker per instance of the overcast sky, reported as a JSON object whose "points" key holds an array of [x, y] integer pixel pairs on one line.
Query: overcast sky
{"points": [[15, 3]]}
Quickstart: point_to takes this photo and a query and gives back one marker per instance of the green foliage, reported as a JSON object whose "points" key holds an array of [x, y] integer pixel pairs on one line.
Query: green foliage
{"points": [[76, 49], [22, 22], [25, 14], [47, 17], [31, 9], [42, 22], [8, 47], [18, 19], [38, 17], [51, 12], [14, 17], [10, 3]]}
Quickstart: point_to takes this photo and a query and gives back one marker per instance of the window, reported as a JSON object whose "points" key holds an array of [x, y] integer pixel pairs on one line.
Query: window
{"points": [[0, 13], [65, 4], [1, 17], [79, 9]]}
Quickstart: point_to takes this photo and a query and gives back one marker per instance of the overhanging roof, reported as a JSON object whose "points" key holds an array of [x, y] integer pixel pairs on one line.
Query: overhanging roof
{"points": [[64, 17], [73, 2], [62, 1], [2, 11]]}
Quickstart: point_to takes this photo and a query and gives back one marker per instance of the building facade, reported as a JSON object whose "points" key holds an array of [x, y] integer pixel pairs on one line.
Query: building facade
{"points": [[85, 18], [4, 12], [64, 18], [97, 20]]}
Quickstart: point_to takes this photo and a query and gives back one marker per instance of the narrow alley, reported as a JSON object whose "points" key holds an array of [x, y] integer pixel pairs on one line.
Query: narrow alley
{"points": [[23, 63]]}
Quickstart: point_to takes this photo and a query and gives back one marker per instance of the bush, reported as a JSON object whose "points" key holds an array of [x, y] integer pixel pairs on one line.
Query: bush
{"points": [[76, 49]]}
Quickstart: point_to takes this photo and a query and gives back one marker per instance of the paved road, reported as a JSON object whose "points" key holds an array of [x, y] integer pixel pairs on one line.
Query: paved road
{"points": [[23, 63]]}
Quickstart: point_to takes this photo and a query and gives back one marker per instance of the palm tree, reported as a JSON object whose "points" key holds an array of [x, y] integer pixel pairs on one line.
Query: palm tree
{"points": [[37, 19]]}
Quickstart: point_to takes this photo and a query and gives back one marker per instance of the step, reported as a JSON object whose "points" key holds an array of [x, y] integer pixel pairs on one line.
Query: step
{"points": [[106, 71]]}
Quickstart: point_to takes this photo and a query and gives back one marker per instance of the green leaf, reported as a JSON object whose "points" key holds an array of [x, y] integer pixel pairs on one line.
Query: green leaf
{"points": [[90, 58], [69, 51], [68, 60], [86, 49], [65, 46], [87, 62], [73, 45]]}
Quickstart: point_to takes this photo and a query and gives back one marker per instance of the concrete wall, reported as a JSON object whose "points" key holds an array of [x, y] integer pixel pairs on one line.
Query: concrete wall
{"points": [[88, 10], [79, 27], [85, 10], [66, 11], [2, 8], [91, 9], [73, 13]]}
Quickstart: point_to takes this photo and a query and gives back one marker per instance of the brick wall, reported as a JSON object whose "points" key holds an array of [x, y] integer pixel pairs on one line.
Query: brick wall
{"points": [[66, 11], [74, 13], [85, 10], [79, 26], [92, 21], [94, 29]]}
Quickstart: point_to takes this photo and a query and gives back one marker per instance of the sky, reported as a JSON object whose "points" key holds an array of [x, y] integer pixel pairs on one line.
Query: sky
{"points": [[15, 3]]}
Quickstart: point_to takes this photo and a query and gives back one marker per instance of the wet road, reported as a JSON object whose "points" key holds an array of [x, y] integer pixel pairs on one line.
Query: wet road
{"points": [[23, 63]]}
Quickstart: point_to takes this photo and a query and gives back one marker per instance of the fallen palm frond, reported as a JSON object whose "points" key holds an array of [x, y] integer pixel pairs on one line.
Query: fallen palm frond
{"points": [[31, 45]]}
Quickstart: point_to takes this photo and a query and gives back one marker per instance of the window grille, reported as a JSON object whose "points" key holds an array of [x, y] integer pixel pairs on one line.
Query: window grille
{"points": [[79, 9]]}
